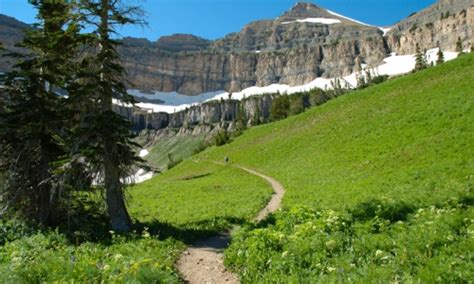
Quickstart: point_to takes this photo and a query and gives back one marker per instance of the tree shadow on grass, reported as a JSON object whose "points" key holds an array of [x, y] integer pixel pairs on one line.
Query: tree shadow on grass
{"points": [[195, 176], [191, 232]]}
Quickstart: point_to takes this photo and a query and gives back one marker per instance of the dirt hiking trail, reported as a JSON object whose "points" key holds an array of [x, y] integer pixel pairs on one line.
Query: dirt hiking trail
{"points": [[203, 262]]}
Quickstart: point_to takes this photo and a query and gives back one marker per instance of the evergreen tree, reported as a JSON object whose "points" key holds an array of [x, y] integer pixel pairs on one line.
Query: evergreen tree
{"points": [[459, 48], [280, 107], [440, 59], [31, 123], [104, 136], [420, 59], [257, 119], [241, 117]]}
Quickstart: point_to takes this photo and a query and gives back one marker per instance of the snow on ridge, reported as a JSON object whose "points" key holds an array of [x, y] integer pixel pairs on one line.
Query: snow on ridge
{"points": [[325, 21], [173, 98], [347, 18], [391, 66], [385, 30], [143, 153], [140, 176]]}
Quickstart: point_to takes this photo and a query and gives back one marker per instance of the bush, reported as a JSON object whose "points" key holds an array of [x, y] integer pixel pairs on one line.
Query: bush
{"points": [[172, 162], [379, 79], [280, 107], [391, 210], [200, 147], [221, 138], [297, 104], [317, 97]]}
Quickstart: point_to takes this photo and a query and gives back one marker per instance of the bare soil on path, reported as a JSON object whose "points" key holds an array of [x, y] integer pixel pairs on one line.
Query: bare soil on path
{"points": [[203, 262]]}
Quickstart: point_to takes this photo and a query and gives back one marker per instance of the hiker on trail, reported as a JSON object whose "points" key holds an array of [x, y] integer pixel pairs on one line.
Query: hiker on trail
{"points": [[226, 159]]}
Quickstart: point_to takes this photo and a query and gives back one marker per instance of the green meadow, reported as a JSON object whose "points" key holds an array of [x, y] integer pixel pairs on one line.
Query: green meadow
{"points": [[379, 188]]}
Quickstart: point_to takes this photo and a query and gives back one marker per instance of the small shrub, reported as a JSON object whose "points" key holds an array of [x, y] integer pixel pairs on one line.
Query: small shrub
{"points": [[200, 147], [296, 104], [392, 210], [280, 107], [379, 79], [172, 162], [221, 138]]}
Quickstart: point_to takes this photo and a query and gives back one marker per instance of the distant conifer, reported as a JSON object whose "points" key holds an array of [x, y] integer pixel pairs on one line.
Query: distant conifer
{"points": [[440, 59], [459, 46], [420, 59]]}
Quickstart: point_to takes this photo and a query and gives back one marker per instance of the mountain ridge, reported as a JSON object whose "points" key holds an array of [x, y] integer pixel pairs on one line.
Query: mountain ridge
{"points": [[302, 44]]}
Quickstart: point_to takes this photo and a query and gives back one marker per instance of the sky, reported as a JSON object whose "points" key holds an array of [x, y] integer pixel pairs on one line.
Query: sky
{"points": [[213, 19]]}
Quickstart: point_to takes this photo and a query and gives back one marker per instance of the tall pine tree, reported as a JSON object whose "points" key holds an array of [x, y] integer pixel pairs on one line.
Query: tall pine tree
{"points": [[31, 123], [104, 136]]}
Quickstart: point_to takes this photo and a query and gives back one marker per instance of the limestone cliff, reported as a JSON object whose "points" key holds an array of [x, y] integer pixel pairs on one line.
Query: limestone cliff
{"points": [[280, 51], [286, 50], [439, 25]]}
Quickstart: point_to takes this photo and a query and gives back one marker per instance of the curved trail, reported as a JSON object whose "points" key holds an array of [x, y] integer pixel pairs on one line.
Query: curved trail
{"points": [[203, 261]]}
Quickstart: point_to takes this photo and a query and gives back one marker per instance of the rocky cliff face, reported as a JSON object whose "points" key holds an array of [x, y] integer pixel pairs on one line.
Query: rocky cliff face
{"points": [[439, 25], [252, 110], [282, 51], [287, 50]]}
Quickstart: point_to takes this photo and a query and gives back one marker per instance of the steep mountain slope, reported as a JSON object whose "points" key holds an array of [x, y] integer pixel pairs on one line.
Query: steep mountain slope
{"points": [[11, 32], [304, 43], [409, 139]]}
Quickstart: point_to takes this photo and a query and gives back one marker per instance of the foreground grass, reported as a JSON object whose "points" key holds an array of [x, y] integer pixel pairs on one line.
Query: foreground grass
{"points": [[40, 257], [382, 241], [200, 194]]}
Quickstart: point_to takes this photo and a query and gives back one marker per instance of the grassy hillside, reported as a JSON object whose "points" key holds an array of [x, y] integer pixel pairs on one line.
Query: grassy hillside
{"points": [[379, 186], [178, 148], [200, 194], [410, 138]]}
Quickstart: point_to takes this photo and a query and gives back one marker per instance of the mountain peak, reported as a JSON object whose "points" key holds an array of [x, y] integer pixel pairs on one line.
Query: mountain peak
{"points": [[303, 9], [301, 6]]}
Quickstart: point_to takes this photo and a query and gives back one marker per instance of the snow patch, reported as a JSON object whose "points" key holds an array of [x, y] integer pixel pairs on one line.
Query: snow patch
{"points": [[325, 21], [391, 66], [385, 30], [140, 176], [347, 18], [173, 98], [143, 153]]}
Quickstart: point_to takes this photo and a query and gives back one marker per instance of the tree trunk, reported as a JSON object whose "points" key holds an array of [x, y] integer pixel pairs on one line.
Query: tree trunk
{"points": [[119, 218], [44, 194]]}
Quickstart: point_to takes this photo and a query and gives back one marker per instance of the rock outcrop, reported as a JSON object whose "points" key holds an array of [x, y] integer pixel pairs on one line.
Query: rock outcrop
{"points": [[440, 25], [250, 111]]}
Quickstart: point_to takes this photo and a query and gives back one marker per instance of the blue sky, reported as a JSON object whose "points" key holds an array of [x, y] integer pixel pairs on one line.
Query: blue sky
{"points": [[215, 18]]}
